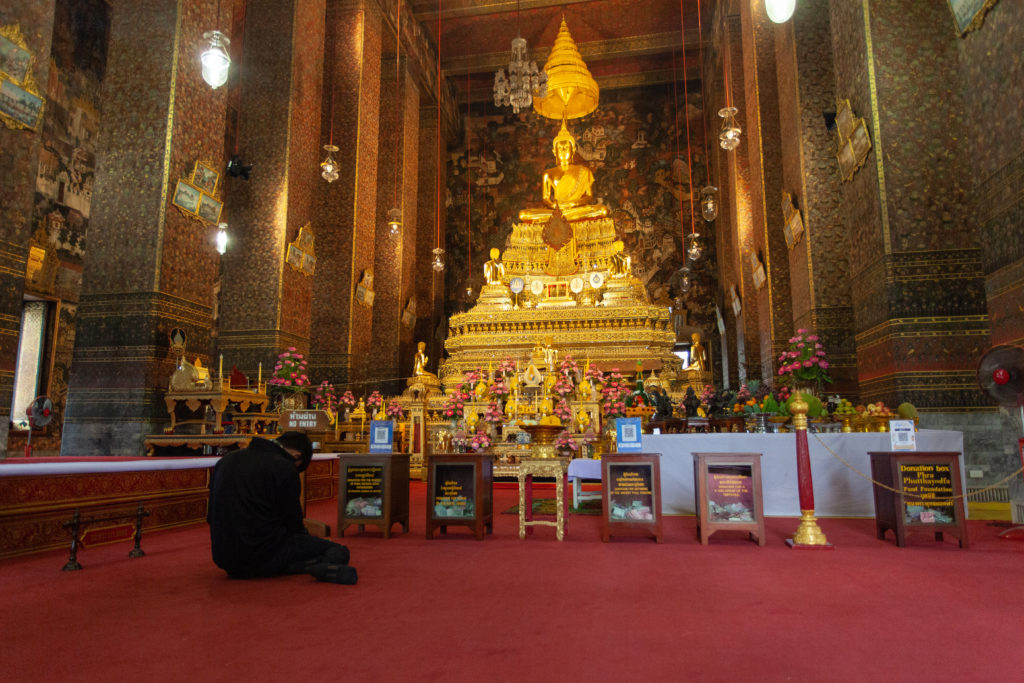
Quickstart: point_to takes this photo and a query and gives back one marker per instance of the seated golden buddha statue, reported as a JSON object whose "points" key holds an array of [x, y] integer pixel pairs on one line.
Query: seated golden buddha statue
{"points": [[494, 270], [567, 186], [419, 363], [620, 265]]}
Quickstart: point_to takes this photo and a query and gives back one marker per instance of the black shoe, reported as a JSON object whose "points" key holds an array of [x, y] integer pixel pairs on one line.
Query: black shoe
{"points": [[336, 554], [334, 573]]}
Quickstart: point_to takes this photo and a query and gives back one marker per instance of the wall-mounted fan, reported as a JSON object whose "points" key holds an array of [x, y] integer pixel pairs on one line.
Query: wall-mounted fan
{"points": [[1001, 375], [40, 412]]}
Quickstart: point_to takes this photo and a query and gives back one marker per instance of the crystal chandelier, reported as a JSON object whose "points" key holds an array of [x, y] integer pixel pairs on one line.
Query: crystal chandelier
{"points": [[438, 262], [215, 59], [729, 138], [329, 167], [709, 203], [524, 79]]}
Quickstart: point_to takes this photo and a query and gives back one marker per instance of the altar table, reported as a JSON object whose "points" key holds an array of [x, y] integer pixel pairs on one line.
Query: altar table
{"points": [[838, 491]]}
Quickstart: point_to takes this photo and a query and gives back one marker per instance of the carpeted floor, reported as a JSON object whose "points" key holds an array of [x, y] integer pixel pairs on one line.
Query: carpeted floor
{"points": [[457, 609]]}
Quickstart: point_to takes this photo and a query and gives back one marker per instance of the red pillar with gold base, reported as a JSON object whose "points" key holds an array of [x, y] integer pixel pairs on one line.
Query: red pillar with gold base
{"points": [[808, 535]]}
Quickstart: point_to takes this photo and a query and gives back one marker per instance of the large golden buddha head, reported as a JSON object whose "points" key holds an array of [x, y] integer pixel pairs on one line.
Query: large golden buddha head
{"points": [[564, 141]]}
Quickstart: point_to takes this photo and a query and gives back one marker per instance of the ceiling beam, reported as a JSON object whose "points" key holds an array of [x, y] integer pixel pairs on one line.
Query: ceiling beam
{"points": [[426, 10]]}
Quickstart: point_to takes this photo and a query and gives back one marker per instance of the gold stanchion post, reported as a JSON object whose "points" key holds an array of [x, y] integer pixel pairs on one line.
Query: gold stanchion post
{"points": [[808, 535]]}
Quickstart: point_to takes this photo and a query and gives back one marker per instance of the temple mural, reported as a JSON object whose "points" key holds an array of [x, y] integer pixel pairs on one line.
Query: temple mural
{"points": [[642, 174], [64, 182]]}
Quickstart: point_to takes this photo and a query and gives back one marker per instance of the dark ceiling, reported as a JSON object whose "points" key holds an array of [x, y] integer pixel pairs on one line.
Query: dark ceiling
{"points": [[625, 43]]}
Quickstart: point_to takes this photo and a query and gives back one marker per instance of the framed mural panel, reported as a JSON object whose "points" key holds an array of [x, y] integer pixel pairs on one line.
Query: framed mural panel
{"points": [[969, 14], [793, 224], [14, 60], [209, 208], [186, 197], [205, 177]]}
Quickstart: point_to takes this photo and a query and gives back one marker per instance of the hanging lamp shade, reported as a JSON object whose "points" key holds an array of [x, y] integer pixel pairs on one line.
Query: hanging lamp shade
{"points": [[572, 91]]}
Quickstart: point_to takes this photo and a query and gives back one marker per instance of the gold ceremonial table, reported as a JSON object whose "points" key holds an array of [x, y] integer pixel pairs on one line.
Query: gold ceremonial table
{"points": [[218, 398], [556, 468]]}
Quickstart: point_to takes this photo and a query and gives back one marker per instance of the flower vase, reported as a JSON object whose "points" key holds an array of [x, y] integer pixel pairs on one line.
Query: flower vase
{"points": [[294, 401]]}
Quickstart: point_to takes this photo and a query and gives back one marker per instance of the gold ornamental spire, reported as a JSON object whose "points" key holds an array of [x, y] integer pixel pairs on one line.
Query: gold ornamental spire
{"points": [[572, 91]]}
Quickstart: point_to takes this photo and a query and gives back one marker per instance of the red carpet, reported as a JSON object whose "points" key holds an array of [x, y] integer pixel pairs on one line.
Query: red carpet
{"points": [[455, 609]]}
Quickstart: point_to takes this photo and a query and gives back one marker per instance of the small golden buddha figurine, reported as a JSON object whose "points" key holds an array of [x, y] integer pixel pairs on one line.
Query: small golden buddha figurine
{"points": [[494, 270], [567, 186], [620, 262], [698, 358], [419, 362]]}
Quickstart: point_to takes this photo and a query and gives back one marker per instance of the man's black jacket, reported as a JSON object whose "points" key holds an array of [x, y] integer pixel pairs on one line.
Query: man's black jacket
{"points": [[254, 506]]}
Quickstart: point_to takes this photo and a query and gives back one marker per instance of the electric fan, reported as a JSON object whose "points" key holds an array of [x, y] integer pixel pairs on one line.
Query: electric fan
{"points": [[1001, 375], [40, 412]]}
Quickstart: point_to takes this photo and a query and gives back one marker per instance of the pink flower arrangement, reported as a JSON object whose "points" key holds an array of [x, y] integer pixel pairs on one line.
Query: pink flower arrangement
{"points": [[595, 375], [347, 400], [563, 412], [506, 367], [493, 414], [564, 386], [479, 440], [499, 388], [375, 401], [324, 396], [565, 444], [455, 407], [569, 366], [290, 371], [394, 409], [804, 362], [613, 395]]}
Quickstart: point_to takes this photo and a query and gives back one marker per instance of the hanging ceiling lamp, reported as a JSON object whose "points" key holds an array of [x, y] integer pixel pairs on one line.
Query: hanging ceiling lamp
{"points": [[222, 238], [694, 250], [395, 214], [329, 167], [729, 137], [571, 91], [523, 81], [779, 11], [438, 261], [215, 59], [709, 203]]}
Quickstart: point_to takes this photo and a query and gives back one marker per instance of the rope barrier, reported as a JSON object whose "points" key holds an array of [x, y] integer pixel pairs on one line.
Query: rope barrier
{"points": [[914, 495]]}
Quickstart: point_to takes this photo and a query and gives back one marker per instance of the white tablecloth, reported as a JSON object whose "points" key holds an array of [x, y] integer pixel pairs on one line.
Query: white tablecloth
{"points": [[838, 491]]}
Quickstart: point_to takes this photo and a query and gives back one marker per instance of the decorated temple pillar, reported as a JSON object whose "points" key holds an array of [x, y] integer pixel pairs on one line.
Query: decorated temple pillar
{"points": [[19, 164], [265, 297], [917, 288], [347, 207], [810, 207], [151, 265], [735, 222], [427, 285], [388, 246], [408, 299], [766, 262]]}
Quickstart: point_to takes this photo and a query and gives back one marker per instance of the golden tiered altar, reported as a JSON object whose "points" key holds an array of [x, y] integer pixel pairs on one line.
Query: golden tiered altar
{"points": [[564, 280]]}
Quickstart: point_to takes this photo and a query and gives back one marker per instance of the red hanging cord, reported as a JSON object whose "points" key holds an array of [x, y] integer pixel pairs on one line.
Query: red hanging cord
{"points": [[686, 116], [675, 127], [469, 189], [398, 90], [703, 99], [440, 91]]}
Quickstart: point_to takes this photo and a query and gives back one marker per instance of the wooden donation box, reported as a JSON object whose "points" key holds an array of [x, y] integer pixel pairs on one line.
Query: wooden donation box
{"points": [[631, 499], [728, 491], [927, 483], [373, 488], [460, 492]]}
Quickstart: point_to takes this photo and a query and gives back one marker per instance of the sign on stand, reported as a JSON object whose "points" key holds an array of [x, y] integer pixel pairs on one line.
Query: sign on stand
{"points": [[304, 421]]}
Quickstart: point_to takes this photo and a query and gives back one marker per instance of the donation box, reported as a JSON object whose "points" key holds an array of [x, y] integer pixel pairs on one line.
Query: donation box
{"points": [[373, 488], [460, 492], [926, 496], [727, 487], [631, 498]]}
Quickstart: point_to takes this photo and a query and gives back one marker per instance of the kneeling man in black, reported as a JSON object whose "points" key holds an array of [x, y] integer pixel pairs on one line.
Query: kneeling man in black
{"points": [[255, 515]]}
